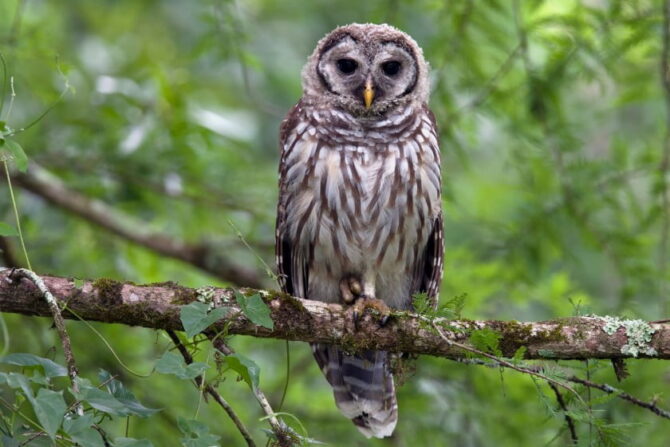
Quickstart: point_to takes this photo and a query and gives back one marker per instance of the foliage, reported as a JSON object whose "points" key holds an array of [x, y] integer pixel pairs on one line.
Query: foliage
{"points": [[486, 340], [196, 317], [255, 309], [50, 408], [553, 127]]}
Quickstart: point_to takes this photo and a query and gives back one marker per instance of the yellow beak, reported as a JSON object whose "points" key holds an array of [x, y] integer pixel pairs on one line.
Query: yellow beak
{"points": [[368, 94]]}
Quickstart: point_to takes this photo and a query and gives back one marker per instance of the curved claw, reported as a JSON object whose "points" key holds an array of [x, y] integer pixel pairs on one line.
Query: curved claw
{"points": [[367, 302], [385, 319], [355, 316]]}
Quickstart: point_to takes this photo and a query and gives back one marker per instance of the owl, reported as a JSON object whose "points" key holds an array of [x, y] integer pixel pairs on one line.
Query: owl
{"points": [[359, 217]]}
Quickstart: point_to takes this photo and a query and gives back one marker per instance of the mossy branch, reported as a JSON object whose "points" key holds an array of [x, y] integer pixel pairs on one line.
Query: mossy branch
{"points": [[157, 306]]}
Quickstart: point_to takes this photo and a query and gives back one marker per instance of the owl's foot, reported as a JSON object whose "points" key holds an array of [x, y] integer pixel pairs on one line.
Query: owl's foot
{"points": [[350, 290], [366, 302]]}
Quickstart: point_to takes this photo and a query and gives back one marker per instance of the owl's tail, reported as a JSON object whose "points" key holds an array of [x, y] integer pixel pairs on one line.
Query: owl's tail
{"points": [[362, 386]]}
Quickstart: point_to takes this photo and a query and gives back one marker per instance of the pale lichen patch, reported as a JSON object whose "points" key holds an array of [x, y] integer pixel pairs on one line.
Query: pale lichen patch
{"points": [[638, 332]]}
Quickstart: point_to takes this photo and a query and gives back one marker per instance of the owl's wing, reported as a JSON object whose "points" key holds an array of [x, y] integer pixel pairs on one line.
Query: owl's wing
{"points": [[429, 273], [291, 265]]}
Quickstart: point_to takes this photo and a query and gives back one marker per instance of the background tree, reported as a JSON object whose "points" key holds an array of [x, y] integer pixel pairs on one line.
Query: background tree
{"points": [[556, 146]]}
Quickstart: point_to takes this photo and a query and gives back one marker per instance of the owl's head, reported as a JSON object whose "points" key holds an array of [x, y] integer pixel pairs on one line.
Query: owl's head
{"points": [[367, 70]]}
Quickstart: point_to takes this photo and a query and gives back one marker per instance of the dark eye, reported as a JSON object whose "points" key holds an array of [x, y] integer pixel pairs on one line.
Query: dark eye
{"points": [[347, 66], [391, 68]]}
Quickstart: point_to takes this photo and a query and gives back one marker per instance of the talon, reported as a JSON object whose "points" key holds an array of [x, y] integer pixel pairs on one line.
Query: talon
{"points": [[385, 319], [367, 302], [355, 286], [12, 276], [346, 292]]}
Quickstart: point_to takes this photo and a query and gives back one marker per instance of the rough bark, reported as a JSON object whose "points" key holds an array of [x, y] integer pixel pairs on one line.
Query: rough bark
{"points": [[157, 306]]}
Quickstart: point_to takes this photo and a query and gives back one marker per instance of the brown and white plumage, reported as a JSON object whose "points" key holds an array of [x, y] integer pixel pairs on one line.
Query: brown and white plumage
{"points": [[360, 197]]}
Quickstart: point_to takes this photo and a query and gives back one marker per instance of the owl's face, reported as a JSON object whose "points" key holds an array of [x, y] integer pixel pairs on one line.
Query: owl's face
{"points": [[366, 70]]}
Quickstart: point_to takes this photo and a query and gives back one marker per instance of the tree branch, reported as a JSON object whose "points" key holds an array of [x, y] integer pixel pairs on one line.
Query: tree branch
{"points": [[568, 419], [54, 309], [201, 383], [651, 406], [664, 165], [282, 433], [157, 306], [207, 258]]}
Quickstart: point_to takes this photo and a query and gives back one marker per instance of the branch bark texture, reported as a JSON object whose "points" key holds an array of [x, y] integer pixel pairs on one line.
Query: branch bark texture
{"points": [[157, 306]]}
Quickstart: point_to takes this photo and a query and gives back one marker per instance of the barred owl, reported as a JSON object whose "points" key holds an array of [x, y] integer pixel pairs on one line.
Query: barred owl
{"points": [[359, 214]]}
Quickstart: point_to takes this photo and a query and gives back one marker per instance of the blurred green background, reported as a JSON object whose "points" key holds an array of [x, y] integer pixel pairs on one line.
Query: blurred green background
{"points": [[554, 133]]}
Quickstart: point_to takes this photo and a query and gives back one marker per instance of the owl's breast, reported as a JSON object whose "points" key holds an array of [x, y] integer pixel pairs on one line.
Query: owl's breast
{"points": [[359, 201], [360, 206]]}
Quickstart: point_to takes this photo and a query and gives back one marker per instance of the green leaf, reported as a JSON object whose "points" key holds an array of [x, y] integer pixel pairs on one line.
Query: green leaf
{"points": [[453, 308], [125, 396], [486, 340], [17, 380], [195, 317], [519, 354], [77, 424], [10, 442], [245, 367], [81, 431], [7, 230], [102, 401], [89, 437], [421, 303], [51, 368], [18, 155], [174, 364], [255, 309], [49, 408], [130, 442], [39, 378], [196, 434]]}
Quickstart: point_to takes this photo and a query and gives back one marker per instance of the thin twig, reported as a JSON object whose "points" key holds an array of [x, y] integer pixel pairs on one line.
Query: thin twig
{"points": [[16, 215], [587, 383], [501, 361], [288, 375], [664, 166], [103, 435], [60, 327], [200, 382], [32, 437], [3, 92], [590, 400], [279, 429], [651, 406], [568, 419]]}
